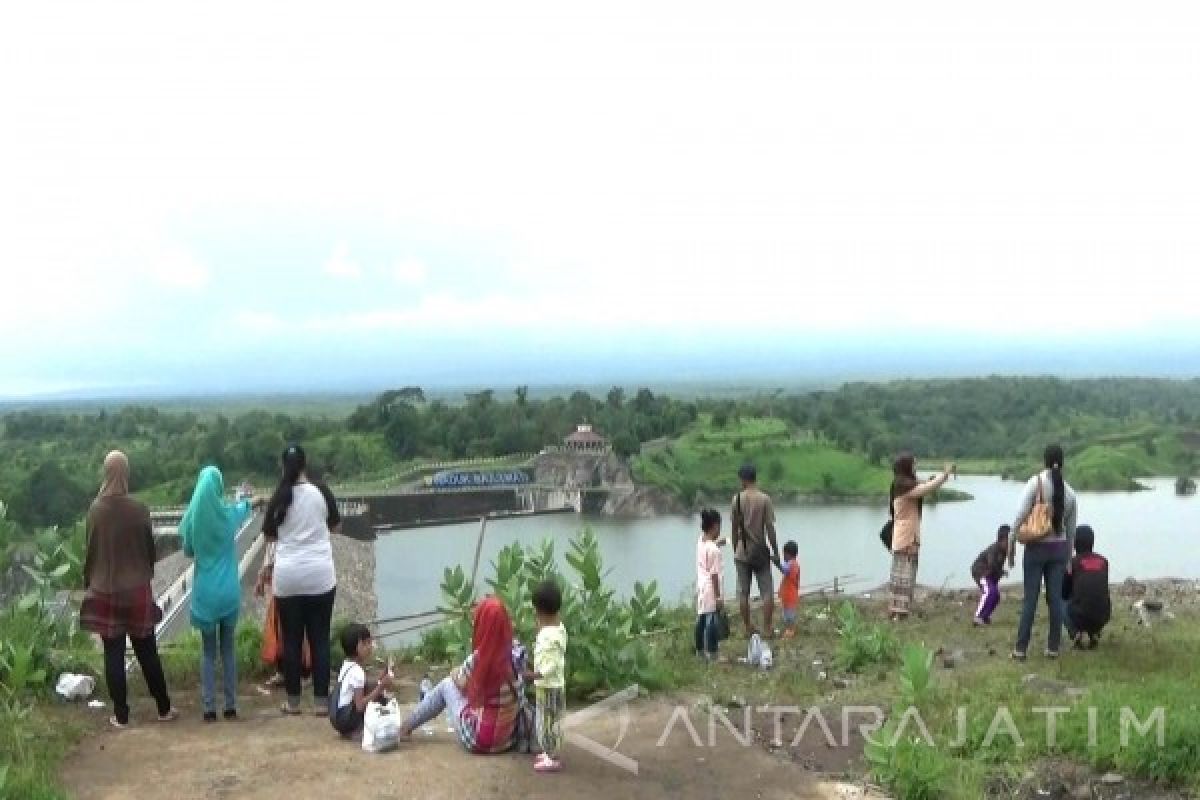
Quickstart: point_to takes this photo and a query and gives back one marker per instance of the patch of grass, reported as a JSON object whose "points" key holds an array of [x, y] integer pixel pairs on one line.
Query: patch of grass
{"points": [[33, 740], [704, 462], [181, 658], [1135, 669]]}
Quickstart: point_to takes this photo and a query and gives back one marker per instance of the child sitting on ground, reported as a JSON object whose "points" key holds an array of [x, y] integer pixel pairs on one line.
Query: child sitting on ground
{"points": [[1089, 606], [549, 675], [789, 588], [709, 598], [986, 572], [352, 691]]}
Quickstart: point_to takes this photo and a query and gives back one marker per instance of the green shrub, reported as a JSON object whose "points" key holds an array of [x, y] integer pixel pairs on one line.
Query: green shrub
{"points": [[907, 766], [604, 649], [434, 646], [38, 639], [862, 644]]}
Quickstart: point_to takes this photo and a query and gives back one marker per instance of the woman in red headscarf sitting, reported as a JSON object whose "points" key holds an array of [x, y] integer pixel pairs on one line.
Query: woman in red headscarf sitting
{"points": [[485, 697]]}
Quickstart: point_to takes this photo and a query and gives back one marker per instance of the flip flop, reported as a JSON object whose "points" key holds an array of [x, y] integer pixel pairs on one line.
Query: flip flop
{"points": [[544, 764]]}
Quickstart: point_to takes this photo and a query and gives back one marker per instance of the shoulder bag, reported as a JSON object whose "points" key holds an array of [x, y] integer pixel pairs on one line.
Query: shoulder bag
{"points": [[1040, 522]]}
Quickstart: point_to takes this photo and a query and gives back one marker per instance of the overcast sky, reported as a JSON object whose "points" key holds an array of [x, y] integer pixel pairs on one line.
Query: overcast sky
{"points": [[254, 194]]}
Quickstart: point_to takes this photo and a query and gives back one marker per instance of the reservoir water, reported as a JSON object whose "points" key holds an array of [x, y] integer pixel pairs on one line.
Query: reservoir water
{"points": [[1144, 534]]}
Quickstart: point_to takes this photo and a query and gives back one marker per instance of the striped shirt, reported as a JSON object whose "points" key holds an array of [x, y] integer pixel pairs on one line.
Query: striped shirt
{"points": [[493, 728]]}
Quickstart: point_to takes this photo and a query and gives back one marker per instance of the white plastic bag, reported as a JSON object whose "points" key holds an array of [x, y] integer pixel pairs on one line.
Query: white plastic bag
{"points": [[755, 650], [767, 658], [759, 654], [381, 727], [75, 687]]}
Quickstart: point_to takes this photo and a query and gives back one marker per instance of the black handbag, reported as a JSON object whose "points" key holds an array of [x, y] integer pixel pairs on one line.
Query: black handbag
{"points": [[722, 625], [885, 534]]}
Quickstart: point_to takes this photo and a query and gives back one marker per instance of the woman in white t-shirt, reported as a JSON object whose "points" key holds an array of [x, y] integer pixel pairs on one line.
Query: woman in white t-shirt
{"points": [[299, 568]]}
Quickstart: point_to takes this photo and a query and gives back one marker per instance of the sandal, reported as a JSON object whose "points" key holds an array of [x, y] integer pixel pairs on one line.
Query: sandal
{"points": [[545, 763]]}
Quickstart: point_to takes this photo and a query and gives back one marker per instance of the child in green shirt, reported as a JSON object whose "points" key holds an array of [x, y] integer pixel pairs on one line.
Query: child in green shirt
{"points": [[549, 675]]}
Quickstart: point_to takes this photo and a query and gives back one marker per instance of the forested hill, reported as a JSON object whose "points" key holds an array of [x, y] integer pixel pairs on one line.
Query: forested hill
{"points": [[1130, 426], [996, 417]]}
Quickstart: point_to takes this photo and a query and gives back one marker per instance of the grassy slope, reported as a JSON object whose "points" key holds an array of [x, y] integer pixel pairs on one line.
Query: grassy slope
{"points": [[1108, 461], [705, 461], [1139, 668]]}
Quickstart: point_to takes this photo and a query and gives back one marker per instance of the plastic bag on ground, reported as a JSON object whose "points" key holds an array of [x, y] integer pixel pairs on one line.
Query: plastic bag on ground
{"points": [[381, 727], [75, 687], [755, 650]]}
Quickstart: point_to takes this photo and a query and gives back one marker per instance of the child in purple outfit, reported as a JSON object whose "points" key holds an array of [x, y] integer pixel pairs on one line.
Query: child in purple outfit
{"points": [[986, 572]]}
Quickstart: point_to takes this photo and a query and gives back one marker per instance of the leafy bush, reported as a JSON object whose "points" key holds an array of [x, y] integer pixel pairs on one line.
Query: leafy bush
{"points": [[604, 649], [907, 766], [862, 644], [916, 675], [38, 639]]}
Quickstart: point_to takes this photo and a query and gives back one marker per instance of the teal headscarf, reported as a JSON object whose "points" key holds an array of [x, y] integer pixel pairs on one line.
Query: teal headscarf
{"points": [[208, 529]]}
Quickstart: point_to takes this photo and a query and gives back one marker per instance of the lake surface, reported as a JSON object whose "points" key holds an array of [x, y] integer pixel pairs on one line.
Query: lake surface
{"points": [[1144, 534]]}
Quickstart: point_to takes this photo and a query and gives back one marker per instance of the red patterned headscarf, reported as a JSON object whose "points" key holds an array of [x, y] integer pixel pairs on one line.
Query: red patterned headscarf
{"points": [[492, 642]]}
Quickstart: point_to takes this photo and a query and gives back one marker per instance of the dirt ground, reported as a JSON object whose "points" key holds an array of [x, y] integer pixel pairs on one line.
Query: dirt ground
{"points": [[266, 755]]}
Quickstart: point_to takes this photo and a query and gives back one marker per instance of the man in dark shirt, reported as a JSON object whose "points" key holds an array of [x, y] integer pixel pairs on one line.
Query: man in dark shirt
{"points": [[1089, 606]]}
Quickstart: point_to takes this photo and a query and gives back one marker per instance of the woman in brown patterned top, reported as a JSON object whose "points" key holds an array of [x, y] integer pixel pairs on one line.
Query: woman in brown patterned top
{"points": [[119, 601], [907, 498]]}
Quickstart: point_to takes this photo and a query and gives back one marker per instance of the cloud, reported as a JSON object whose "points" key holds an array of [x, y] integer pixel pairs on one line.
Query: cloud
{"points": [[176, 268], [665, 188], [410, 272], [255, 322], [341, 265]]}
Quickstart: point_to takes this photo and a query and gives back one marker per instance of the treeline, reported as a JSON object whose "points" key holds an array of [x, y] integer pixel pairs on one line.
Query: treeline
{"points": [[487, 425], [985, 418], [52, 458]]}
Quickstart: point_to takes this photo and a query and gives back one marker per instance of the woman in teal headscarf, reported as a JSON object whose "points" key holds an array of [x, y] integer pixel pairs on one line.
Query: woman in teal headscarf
{"points": [[208, 529]]}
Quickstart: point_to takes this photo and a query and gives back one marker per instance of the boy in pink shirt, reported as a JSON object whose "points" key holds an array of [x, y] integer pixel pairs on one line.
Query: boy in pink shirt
{"points": [[709, 598]]}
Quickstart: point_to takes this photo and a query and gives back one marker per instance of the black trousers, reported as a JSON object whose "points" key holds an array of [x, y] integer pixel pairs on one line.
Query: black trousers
{"points": [[146, 651], [301, 616]]}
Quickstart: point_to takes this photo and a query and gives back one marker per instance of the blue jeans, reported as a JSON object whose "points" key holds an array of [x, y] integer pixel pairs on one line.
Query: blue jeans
{"points": [[224, 631], [706, 633], [1043, 563]]}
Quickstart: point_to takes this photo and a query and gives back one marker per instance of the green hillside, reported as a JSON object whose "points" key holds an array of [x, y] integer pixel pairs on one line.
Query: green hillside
{"points": [[704, 461]]}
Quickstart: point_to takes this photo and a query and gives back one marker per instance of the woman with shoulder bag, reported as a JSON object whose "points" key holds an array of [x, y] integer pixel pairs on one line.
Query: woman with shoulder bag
{"points": [[1045, 524], [906, 498]]}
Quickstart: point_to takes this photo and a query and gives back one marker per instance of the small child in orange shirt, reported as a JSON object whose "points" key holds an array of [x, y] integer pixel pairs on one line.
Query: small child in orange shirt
{"points": [[789, 588]]}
